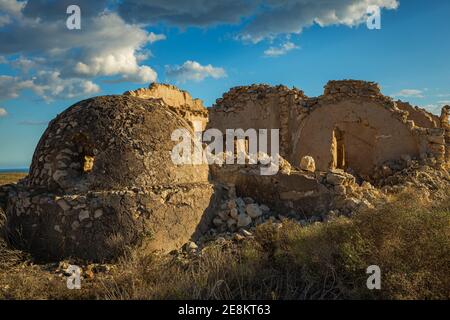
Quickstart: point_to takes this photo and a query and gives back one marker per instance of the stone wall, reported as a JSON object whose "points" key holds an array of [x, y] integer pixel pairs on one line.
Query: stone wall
{"points": [[375, 128], [180, 101], [258, 107], [421, 117]]}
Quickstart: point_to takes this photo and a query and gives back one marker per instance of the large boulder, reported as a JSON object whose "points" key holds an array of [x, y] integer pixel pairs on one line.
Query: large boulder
{"points": [[102, 179]]}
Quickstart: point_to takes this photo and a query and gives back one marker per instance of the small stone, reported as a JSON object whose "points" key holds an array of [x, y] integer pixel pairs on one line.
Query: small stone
{"points": [[63, 204], [365, 204], [240, 202], [243, 220], [84, 214], [61, 165], [253, 210], [246, 233], [59, 174], [191, 246], [352, 203], [248, 200], [339, 189], [231, 204], [223, 215], [26, 202], [58, 228], [231, 223], [234, 213], [366, 185], [98, 213], [75, 225], [307, 163], [217, 222], [238, 237], [264, 208], [335, 178]]}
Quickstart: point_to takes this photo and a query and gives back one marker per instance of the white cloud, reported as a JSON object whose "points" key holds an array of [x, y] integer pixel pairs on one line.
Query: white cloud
{"points": [[410, 93], [3, 112], [113, 44], [281, 50], [10, 87], [12, 7], [24, 64], [50, 55], [192, 70], [4, 20], [153, 37], [48, 85], [265, 18], [293, 16], [113, 49]]}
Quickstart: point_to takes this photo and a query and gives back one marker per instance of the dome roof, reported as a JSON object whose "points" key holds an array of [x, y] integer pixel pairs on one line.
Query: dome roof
{"points": [[102, 178], [111, 143]]}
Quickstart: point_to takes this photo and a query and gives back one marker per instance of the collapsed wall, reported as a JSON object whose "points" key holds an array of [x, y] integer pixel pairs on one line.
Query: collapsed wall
{"points": [[179, 101], [257, 107], [421, 117], [352, 126]]}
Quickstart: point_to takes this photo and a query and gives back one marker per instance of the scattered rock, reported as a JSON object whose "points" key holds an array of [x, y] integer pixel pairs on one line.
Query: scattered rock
{"points": [[217, 222], [253, 210], [98, 213], [335, 178], [84, 214], [243, 220], [264, 208], [307, 163], [240, 202]]}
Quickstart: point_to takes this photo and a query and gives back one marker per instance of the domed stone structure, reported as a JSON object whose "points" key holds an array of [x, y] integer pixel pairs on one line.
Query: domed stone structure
{"points": [[102, 178]]}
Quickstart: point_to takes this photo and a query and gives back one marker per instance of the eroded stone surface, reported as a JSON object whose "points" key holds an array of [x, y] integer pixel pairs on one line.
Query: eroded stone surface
{"points": [[108, 182]]}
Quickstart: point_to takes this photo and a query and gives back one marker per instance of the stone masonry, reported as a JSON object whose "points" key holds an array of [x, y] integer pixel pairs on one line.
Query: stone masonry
{"points": [[102, 178]]}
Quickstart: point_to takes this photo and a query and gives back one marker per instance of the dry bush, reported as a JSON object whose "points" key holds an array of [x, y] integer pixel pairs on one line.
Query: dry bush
{"points": [[408, 239]]}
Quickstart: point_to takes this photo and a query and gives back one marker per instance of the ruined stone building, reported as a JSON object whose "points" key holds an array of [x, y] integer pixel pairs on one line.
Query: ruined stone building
{"points": [[102, 176], [352, 126]]}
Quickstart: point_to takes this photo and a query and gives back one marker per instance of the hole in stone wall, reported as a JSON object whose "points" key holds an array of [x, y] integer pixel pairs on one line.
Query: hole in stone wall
{"points": [[88, 163], [86, 152]]}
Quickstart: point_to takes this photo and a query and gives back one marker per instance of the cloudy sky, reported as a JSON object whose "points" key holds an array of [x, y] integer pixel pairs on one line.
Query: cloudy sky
{"points": [[206, 47]]}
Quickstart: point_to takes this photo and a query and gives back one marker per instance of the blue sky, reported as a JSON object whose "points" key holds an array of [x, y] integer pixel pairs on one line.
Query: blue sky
{"points": [[207, 48]]}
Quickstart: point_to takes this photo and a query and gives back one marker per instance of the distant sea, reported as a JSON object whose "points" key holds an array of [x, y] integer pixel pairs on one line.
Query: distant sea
{"points": [[21, 170]]}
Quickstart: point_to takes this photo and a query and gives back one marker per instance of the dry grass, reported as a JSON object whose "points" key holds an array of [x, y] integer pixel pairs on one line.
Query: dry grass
{"points": [[11, 177], [409, 239]]}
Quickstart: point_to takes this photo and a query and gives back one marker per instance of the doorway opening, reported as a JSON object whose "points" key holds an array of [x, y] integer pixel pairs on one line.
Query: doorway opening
{"points": [[339, 157]]}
